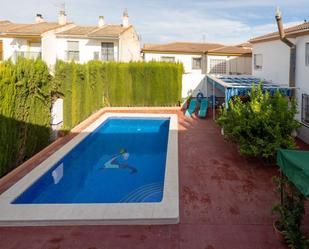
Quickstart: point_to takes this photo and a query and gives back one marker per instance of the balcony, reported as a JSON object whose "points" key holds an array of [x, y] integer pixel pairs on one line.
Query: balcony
{"points": [[27, 55], [72, 55]]}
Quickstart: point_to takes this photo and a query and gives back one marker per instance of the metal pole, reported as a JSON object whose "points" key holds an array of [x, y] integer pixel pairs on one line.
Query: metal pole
{"points": [[281, 187], [213, 101]]}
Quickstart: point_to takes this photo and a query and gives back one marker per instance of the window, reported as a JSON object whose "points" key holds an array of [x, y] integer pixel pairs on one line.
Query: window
{"points": [[217, 66], [258, 61], [96, 55], [305, 109], [307, 54], [107, 51], [34, 50], [196, 63], [73, 51], [168, 58]]}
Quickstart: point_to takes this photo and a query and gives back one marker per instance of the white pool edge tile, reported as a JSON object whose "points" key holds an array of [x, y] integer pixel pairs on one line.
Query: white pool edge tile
{"points": [[164, 212]]}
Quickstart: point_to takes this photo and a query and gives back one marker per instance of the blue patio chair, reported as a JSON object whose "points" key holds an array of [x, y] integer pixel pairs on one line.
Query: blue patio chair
{"points": [[191, 109], [203, 108]]}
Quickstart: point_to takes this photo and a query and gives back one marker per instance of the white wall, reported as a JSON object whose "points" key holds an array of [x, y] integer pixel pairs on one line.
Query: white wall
{"points": [[194, 82], [276, 61], [129, 46], [185, 59], [302, 71], [87, 47], [10, 45], [126, 48], [49, 45], [49, 49]]}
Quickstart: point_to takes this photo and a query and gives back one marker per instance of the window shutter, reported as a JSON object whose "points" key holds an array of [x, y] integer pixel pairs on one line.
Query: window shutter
{"points": [[307, 54], [73, 46], [107, 51]]}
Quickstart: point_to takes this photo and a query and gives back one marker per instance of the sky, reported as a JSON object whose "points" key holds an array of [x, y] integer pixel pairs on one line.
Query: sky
{"points": [[160, 21]]}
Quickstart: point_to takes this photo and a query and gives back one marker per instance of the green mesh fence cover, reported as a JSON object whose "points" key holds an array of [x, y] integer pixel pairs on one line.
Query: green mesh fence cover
{"points": [[295, 165]]}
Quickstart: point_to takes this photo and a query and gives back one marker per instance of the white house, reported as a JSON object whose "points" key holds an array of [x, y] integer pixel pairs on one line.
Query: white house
{"points": [[67, 41], [26, 39], [272, 59], [104, 42], [200, 59]]}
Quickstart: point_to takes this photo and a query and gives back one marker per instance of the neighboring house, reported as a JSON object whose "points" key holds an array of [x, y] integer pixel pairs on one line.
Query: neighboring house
{"points": [[67, 41], [26, 40], [103, 42], [191, 55], [203, 58], [272, 62], [200, 59]]}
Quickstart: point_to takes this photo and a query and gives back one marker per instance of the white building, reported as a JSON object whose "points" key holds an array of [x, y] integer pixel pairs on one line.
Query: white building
{"points": [[67, 41], [200, 59], [272, 62], [26, 39]]}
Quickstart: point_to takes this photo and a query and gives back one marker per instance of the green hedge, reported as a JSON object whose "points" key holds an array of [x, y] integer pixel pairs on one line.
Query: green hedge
{"points": [[25, 101], [89, 87]]}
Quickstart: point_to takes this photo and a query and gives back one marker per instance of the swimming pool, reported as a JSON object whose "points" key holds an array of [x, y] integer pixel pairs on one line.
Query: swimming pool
{"points": [[122, 169]]}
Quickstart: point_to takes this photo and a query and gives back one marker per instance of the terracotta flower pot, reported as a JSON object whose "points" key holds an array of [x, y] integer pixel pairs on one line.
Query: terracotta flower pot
{"points": [[278, 233]]}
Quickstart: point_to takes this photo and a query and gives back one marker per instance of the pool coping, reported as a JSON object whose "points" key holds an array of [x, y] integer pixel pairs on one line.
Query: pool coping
{"points": [[164, 212]]}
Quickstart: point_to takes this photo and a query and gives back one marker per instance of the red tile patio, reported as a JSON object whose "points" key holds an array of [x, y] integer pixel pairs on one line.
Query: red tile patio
{"points": [[225, 203]]}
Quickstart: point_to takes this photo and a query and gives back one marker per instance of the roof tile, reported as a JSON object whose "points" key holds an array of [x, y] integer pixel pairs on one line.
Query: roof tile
{"points": [[28, 29], [186, 47], [289, 32], [94, 31]]}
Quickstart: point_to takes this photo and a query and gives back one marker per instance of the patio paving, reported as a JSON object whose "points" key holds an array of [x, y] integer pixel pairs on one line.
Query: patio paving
{"points": [[225, 203]]}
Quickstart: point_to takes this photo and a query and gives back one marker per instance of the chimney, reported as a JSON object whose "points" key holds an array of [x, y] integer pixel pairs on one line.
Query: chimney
{"points": [[39, 18], [125, 19], [62, 17], [292, 46], [281, 29], [101, 21]]}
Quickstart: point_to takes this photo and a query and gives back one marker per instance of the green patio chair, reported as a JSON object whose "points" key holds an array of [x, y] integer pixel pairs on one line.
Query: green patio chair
{"points": [[191, 109], [203, 108]]}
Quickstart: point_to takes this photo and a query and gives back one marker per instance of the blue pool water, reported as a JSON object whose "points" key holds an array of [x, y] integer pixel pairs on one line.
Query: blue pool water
{"points": [[123, 160]]}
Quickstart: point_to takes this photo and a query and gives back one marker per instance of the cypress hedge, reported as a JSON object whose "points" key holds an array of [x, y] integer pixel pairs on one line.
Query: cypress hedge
{"points": [[89, 87], [25, 102], [27, 91]]}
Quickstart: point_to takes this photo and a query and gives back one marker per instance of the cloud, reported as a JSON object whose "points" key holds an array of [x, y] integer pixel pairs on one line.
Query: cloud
{"points": [[159, 21], [192, 26]]}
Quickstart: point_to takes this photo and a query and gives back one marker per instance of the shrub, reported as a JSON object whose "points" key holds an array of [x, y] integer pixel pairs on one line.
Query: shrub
{"points": [[25, 102], [262, 125], [291, 211]]}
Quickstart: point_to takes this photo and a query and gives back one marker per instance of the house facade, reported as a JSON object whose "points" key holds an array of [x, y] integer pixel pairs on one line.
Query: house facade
{"points": [[200, 59], [271, 60], [26, 40], [203, 58], [103, 42], [67, 41]]}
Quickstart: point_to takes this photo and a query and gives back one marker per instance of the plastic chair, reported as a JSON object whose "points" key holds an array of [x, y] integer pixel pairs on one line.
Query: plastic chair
{"points": [[203, 108], [191, 109]]}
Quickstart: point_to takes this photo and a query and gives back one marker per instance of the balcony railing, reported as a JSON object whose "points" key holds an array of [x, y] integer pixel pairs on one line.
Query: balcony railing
{"points": [[72, 55], [27, 54]]}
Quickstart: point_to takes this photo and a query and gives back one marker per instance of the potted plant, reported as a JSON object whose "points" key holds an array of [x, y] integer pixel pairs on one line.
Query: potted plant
{"points": [[290, 212]]}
